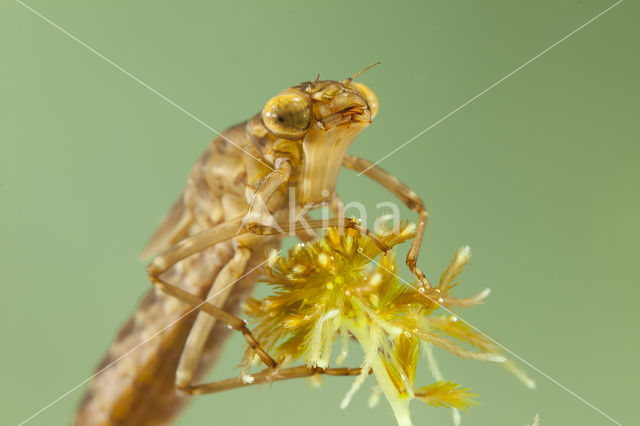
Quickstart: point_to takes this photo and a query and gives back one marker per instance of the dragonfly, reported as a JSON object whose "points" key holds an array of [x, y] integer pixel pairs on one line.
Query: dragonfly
{"points": [[236, 206]]}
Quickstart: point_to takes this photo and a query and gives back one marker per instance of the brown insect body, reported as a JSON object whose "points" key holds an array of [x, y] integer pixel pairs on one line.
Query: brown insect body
{"points": [[216, 236], [139, 389]]}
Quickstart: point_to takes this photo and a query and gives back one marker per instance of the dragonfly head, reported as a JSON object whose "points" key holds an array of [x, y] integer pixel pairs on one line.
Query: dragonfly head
{"points": [[324, 117]]}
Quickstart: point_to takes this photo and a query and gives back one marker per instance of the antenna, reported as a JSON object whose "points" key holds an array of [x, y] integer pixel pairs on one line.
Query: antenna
{"points": [[359, 73]]}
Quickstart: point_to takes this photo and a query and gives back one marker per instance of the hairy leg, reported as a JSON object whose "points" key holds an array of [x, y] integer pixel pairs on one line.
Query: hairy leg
{"points": [[268, 376], [407, 196]]}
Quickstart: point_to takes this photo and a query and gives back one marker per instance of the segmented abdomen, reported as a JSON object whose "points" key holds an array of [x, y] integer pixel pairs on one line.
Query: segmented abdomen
{"points": [[135, 380]]}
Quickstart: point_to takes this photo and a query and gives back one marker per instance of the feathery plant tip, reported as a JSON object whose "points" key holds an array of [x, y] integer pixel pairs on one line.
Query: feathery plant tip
{"points": [[332, 290]]}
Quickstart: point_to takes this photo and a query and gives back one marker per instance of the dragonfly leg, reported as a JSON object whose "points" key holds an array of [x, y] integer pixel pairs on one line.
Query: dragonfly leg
{"points": [[218, 313], [193, 244], [259, 195], [202, 327], [230, 273], [321, 223], [306, 235], [268, 376], [205, 320], [255, 222], [407, 196]]}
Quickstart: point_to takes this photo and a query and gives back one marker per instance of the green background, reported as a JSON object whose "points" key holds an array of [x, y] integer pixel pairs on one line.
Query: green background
{"points": [[539, 175]]}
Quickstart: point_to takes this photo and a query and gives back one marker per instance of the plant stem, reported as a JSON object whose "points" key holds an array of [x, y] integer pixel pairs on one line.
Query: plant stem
{"points": [[399, 404]]}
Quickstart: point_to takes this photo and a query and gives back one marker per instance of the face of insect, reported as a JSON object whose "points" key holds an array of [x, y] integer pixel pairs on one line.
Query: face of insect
{"points": [[325, 117]]}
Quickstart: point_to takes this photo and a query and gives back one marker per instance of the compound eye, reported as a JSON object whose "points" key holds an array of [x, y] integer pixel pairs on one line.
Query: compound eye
{"points": [[288, 115], [369, 97]]}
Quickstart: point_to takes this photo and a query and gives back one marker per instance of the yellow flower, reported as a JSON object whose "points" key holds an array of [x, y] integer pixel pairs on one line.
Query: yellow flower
{"points": [[333, 289]]}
